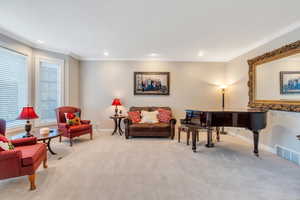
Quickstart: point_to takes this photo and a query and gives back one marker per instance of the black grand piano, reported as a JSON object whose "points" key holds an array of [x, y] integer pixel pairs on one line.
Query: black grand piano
{"points": [[252, 119]]}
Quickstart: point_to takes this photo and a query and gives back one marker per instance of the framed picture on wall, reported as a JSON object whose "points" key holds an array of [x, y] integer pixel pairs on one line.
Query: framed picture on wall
{"points": [[290, 82], [151, 83]]}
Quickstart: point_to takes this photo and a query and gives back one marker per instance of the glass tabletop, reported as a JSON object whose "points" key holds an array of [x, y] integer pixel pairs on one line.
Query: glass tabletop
{"points": [[52, 134]]}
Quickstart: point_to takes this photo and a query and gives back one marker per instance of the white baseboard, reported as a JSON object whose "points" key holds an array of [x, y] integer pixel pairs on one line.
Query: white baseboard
{"points": [[250, 141], [105, 130]]}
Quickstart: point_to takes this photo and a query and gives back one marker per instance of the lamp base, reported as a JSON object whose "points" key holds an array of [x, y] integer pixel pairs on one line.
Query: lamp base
{"points": [[28, 129], [116, 111]]}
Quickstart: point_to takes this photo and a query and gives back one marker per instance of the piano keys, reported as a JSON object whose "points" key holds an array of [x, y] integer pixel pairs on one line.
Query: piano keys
{"points": [[251, 119]]}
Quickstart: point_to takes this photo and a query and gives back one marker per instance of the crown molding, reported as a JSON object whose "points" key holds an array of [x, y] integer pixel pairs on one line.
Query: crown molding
{"points": [[151, 59], [15, 37], [35, 45]]}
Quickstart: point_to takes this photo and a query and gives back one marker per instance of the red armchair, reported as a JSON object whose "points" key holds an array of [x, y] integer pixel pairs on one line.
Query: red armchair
{"points": [[24, 159], [72, 131]]}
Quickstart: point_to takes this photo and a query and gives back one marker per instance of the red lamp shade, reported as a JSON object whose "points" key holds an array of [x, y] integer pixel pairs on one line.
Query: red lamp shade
{"points": [[28, 113], [116, 102]]}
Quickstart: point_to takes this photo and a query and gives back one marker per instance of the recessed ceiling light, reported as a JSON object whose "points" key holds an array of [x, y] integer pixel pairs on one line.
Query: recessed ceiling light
{"points": [[106, 53], [200, 53], [153, 54], [40, 41]]}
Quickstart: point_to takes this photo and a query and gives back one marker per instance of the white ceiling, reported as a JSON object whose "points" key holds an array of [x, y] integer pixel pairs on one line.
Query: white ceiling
{"points": [[132, 29]]}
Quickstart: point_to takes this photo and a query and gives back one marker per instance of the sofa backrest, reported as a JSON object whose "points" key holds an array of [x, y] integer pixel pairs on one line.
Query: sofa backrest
{"points": [[148, 108]]}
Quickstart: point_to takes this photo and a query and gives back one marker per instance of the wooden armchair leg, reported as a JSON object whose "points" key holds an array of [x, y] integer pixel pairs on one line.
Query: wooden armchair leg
{"points": [[91, 136], [71, 142], [59, 138], [32, 181], [197, 136], [45, 165]]}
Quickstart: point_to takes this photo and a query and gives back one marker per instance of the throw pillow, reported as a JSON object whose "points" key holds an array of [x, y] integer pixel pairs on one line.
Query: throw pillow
{"points": [[164, 115], [73, 119], [5, 144], [149, 117], [135, 116]]}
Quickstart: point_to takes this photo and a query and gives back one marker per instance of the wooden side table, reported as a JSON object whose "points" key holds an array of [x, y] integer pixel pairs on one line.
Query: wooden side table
{"points": [[117, 119]]}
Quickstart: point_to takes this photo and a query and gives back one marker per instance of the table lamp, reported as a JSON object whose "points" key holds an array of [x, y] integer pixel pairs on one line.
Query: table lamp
{"points": [[27, 114], [116, 102]]}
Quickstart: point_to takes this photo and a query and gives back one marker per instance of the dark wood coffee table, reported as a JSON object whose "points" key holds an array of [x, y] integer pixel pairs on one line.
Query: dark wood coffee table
{"points": [[54, 133]]}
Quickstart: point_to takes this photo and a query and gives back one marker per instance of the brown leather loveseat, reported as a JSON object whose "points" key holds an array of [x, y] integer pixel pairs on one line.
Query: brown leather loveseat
{"points": [[149, 129]]}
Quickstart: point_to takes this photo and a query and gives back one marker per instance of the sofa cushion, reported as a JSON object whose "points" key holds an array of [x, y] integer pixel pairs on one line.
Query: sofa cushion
{"points": [[79, 128], [150, 126], [135, 116], [31, 153], [149, 117], [73, 119], [164, 115], [5, 144]]}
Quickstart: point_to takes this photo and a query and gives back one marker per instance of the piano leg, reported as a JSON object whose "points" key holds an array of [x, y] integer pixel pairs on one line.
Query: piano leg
{"points": [[194, 138], [209, 138], [255, 141], [218, 133]]}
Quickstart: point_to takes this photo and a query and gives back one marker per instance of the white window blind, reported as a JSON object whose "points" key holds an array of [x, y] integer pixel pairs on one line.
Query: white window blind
{"points": [[13, 86], [49, 89]]}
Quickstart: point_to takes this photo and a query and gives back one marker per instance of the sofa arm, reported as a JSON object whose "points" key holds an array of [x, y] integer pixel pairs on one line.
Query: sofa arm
{"points": [[127, 121], [10, 154], [24, 141], [62, 126], [85, 121], [173, 121]]}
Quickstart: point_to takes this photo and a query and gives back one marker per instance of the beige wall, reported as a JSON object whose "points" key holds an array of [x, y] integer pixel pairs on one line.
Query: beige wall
{"points": [[74, 82], [192, 84], [282, 127]]}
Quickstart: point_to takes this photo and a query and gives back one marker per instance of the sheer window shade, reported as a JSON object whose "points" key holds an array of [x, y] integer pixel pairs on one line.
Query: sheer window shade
{"points": [[49, 89], [13, 86]]}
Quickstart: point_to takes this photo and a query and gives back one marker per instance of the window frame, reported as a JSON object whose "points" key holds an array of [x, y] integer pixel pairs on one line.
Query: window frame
{"points": [[28, 69], [61, 83]]}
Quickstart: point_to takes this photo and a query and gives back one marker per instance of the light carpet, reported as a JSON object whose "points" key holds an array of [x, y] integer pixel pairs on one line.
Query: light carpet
{"points": [[113, 168]]}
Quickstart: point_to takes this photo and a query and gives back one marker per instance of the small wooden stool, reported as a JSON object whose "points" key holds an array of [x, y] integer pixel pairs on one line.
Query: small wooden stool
{"points": [[188, 134]]}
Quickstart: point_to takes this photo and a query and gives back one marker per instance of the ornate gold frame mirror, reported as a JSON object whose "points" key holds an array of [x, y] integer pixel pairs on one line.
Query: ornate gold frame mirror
{"points": [[274, 79]]}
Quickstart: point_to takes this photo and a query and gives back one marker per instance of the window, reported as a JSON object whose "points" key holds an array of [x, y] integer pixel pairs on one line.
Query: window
{"points": [[49, 88], [13, 86]]}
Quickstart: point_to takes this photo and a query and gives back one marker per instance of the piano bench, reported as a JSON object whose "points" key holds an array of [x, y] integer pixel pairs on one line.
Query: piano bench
{"points": [[188, 134]]}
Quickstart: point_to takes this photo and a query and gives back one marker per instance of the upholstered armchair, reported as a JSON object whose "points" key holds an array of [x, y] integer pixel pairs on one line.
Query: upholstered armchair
{"points": [[72, 131], [24, 159]]}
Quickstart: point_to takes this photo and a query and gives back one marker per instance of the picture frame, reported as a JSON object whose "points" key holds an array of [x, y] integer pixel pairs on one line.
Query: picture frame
{"points": [[289, 82], [151, 83]]}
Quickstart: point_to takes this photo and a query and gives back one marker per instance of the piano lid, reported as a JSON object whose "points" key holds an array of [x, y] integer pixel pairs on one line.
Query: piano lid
{"points": [[229, 110]]}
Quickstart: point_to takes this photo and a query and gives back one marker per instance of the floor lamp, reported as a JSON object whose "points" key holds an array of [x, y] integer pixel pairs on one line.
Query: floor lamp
{"points": [[223, 87]]}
